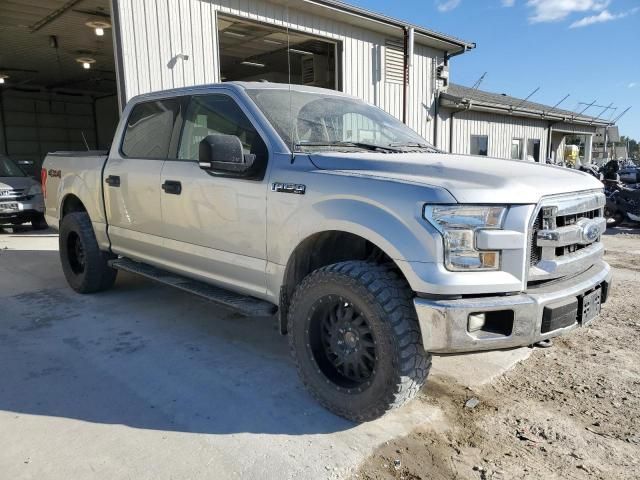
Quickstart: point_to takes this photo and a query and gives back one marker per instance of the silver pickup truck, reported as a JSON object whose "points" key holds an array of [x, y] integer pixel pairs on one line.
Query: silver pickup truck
{"points": [[374, 248]]}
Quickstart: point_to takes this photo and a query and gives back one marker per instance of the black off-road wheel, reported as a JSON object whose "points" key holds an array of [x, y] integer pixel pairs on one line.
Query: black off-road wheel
{"points": [[355, 338], [83, 263], [38, 222]]}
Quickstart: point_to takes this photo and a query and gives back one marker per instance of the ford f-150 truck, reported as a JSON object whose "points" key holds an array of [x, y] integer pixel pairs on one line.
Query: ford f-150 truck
{"points": [[375, 249]]}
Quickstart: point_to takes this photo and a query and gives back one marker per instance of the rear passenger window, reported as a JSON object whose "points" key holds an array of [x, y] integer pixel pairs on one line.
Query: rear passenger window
{"points": [[149, 129]]}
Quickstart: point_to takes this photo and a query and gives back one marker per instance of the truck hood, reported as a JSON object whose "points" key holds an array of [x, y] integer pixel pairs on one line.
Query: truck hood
{"points": [[469, 179], [16, 182]]}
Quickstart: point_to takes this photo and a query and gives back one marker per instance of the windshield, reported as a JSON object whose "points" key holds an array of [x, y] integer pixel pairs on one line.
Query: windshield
{"points": [[315, 122], [8, 168]]}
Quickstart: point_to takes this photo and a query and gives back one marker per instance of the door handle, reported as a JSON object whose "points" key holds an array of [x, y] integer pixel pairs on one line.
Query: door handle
{"points": [[172, 187], [112, 180]]}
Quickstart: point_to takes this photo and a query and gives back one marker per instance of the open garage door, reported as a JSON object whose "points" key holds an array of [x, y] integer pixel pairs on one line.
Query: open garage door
{"points": [[254, 51], [58, 87]]}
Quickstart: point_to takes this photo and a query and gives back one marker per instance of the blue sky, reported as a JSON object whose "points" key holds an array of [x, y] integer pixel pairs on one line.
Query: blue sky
{"points": [[589, 49]]}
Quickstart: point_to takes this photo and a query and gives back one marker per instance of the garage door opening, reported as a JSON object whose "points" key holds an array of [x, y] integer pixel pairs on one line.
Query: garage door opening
{"points": [[252, 51], [58, 89]]}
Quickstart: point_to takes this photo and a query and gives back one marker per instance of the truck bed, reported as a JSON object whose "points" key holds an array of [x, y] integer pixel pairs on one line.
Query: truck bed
{"points": [[76, 174]]}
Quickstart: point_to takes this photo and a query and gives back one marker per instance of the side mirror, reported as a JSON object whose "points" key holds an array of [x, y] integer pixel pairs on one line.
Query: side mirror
{"points": [[224, 153]]}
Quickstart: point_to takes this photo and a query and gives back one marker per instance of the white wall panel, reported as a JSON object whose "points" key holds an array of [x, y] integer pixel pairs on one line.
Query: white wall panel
{"points": [[155, 31], [500, 129]]}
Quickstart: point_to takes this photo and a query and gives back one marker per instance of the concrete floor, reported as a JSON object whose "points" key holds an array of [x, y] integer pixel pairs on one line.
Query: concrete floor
{"points": [[147, 382]]}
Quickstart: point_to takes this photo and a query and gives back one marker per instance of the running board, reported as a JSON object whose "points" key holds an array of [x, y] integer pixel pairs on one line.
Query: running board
{"points": [[249, 306]]}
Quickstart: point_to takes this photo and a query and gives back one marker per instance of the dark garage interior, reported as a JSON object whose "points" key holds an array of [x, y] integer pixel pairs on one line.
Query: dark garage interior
{"points": [[57, 78]]}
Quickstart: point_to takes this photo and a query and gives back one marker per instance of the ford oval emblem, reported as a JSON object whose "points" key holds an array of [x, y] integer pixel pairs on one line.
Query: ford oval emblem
{"points": [[590, 232]]}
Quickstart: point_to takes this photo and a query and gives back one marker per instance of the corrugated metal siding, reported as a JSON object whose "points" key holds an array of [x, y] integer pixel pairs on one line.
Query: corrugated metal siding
{"points": [[500, 129], [154, 31]]}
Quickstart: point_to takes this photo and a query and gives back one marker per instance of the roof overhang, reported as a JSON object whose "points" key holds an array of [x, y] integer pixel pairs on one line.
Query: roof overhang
{"points": [[459, 104], [378, 22]]}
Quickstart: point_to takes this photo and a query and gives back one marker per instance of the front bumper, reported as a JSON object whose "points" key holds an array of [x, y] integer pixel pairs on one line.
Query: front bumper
{"points": [[444, 322]]}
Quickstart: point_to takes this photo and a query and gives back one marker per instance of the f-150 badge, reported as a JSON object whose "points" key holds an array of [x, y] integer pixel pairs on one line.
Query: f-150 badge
{"points": [[295, 188]]}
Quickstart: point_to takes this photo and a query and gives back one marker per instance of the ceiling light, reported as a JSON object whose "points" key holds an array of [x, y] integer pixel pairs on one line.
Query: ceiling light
{"points": [[233, 34], [86, 62], [272, 42], [301, 52], [254, 64], [99, 26]]}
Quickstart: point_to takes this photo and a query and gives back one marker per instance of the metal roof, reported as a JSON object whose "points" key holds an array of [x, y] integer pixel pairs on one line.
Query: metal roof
{"points": [[458, 44], [458, 96]]}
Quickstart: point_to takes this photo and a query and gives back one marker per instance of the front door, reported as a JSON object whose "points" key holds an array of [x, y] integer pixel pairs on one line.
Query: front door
{"points": [[215, 226], [132, 179]]}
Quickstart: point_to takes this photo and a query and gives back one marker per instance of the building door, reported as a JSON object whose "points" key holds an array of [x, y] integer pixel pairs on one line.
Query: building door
{"points": [[533, 150], [215, 226]]}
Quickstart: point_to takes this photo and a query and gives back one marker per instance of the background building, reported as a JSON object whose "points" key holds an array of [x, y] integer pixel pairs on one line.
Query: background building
{"points": [[471, 121], [72, 64], [69, 66]]}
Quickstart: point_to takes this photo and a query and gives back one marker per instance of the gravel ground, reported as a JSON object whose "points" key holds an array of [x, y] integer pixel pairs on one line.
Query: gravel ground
{"points": [[569, 412]]}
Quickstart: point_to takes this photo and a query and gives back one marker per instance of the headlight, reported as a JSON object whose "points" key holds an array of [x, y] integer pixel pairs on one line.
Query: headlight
{"points": [[458, 225], [34, 189]]}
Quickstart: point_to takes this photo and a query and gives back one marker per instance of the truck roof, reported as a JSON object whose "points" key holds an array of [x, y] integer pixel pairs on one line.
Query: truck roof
{"points": [[236, 86]]}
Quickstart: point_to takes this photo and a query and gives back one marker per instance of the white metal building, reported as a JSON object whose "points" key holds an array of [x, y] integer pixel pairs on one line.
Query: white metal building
{"points": [[472, 121], [68, 64]]}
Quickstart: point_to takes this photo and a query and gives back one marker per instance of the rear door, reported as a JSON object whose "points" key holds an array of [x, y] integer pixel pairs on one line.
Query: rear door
{"points": [[132, 177], [215, 226]]}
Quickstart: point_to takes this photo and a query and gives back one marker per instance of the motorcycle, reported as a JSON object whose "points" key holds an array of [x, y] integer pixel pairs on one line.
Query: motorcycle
{"points": [[622, 204]]}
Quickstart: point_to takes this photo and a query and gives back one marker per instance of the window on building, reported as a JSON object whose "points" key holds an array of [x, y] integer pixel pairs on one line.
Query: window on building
{"points": [[253, 51], [533, 150], [479, 145], [219, 114], [516, 148], [149, 129]]}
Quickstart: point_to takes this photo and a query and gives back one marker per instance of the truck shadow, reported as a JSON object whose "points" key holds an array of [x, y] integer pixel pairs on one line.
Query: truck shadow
{"points": [[145, 356]]}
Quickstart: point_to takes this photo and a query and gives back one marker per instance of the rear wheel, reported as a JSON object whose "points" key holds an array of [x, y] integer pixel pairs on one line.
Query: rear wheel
{"points": [[83, 263], [355, 338]]}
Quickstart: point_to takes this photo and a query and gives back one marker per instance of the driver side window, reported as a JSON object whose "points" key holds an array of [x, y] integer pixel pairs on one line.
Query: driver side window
{"points": [[218, 114]]}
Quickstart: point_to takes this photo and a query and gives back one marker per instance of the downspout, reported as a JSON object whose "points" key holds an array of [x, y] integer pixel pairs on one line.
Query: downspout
{"points": [[436, 120], [451, 122], [549, 136]]}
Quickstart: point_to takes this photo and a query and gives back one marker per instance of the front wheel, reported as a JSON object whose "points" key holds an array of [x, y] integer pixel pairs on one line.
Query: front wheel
{"points": [[83, 263], [355, 338]]}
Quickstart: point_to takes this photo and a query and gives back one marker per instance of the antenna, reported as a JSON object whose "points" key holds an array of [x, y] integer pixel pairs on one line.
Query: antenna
{"points": [[528, 97], [585, 108], [556, 105], [84, 139], [291, 126], [604, 110], [620, 116], [479, 81]]}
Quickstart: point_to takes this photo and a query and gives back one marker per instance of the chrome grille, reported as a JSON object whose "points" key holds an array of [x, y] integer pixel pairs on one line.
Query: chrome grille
{"points": [[7, 194], [565, 235]]}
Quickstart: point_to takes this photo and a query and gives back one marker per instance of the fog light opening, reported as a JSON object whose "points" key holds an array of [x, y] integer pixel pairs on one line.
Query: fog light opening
{"points": [[499, 322], [476, 321]]}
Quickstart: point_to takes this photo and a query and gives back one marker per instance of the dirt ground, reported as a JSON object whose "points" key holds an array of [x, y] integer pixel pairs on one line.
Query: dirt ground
{"points": [[569, 412]]}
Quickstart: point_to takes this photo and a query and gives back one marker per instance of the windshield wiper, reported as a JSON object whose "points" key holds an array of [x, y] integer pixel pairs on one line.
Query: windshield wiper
{"points": [[426, 146], [363, 145]]}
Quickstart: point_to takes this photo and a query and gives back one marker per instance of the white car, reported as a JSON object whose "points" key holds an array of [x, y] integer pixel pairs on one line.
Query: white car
{"points": [[21, 199]]}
